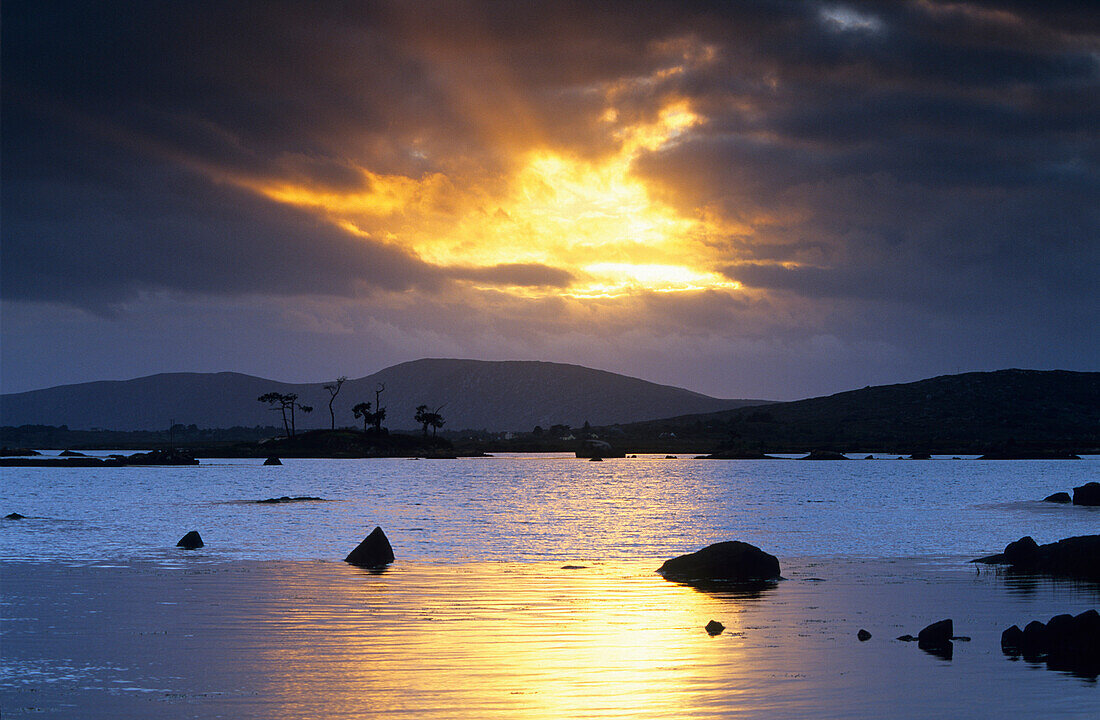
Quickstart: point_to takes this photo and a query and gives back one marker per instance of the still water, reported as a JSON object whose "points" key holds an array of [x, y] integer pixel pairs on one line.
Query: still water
{"points": [[524, 588], [529, 508]]}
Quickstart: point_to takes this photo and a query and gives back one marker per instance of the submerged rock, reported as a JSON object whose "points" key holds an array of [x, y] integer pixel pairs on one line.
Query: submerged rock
{"points": [[863, 635], [286, 499], [375, 551], [1087, 494], [731, 561], [190, 541], [1058, 497], [273, 461], [15, 516], [1076, 557], [714, 628], [161, 457]]}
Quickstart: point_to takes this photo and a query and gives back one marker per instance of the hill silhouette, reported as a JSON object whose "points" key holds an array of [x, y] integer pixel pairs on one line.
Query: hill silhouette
{"points": [[1008, 411], [475, 394]]}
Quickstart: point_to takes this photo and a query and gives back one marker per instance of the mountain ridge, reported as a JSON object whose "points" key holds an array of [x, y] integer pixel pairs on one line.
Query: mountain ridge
{"points": [[476, 394]]}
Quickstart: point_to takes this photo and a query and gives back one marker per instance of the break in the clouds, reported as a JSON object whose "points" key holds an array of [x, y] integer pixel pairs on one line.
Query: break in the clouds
{"points": [[659, 189]]}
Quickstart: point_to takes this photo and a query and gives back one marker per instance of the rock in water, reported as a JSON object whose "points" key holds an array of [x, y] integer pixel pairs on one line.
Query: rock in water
{"points": [[15, 516], [190, 541], [1022, 552], [730, 561], [936, 635], [273, 461], [1066, 642], [1058, 497], [863, 635], [714, 628], [1077, 557], [374, 551], [1087, 494], [1012, 640]]}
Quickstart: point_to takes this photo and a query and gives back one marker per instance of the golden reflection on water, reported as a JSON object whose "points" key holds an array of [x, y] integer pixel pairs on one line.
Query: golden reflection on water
{"points": [[535, 641]]}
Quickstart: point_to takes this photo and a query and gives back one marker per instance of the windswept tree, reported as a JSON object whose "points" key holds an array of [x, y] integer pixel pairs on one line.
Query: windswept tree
{"points": [[285, 402], [421, 417], [303, 408], [278, 399], [370, 418], [334, 390], [363, 410], [436, 421], [426, 417]]}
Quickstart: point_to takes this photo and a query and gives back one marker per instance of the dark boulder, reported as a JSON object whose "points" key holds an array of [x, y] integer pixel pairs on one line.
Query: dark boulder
{"points": [[936, 635], [1066, 642], [190, 541], [286, 499], [273, 461], [1012, 640], [1076, 557], [906, 638], [1022, 552], [824, 455], [1087, 494], [731, 561], [1034, 639], [863, 635], [374, 552], [1058, 497], [15, 516], [714, 628]]}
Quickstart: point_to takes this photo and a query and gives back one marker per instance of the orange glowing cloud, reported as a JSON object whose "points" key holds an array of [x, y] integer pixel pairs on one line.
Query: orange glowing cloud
{"points": [[589, 219]]}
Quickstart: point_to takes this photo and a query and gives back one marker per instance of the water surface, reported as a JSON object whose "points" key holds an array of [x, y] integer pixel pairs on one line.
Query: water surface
{"points": [[524, 588]]}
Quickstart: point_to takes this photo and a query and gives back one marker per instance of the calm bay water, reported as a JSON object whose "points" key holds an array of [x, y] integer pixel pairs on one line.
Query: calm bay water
{"points": [[524, 588], [524, 508]]}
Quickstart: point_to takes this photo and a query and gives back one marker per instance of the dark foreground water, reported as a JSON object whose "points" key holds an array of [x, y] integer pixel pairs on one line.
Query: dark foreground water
{"points": [[480, 618]]}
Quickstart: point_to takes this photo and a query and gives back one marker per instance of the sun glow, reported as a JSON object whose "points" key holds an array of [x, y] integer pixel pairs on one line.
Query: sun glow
{"points": [[594, 218]]}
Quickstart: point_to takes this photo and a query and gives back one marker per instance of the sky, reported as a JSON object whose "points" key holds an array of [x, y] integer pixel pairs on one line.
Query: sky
{"points": [[757, 199]]}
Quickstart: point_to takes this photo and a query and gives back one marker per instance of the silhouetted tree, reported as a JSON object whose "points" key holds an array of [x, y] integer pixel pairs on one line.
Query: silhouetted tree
{"points": [[334, 390], [294, 404], [363, 410], [376, 418], [427, 417], [421, 417], [285, 401], [273, 399], [436, 421]]}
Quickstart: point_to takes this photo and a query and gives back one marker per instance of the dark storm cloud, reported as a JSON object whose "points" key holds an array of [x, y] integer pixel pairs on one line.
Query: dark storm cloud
{"points": [[924, 153]]}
